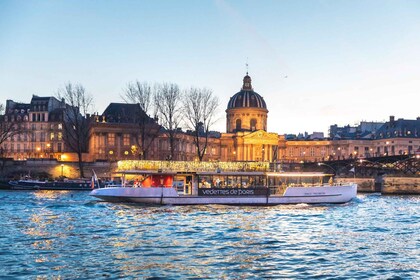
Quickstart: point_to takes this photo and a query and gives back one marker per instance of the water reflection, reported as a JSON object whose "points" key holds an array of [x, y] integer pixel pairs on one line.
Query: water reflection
{"points": [[68, 235], [49, 194]]}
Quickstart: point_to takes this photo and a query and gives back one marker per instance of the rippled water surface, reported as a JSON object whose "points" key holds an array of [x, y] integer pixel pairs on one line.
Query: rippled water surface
{"points": [[68, 235]]}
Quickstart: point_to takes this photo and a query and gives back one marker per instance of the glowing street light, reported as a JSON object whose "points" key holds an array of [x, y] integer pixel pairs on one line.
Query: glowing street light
{"points": [[321, 163]]}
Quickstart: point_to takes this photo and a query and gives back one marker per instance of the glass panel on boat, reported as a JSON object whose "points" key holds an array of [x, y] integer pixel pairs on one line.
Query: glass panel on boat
{"points": [[278, 182], [231, 180]]}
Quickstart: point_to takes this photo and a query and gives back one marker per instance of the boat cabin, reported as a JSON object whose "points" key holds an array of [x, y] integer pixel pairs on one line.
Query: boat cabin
{"points": [[196, 183]]}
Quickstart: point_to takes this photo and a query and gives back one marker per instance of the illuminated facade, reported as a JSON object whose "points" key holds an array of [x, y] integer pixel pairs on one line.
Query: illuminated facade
{"points": [[247, 138], [117, 135], [41, 132], [392, 138]]}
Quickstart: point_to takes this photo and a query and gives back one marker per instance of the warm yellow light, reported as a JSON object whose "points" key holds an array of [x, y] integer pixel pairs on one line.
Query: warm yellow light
{"points": [[190, 165], [38, 149]]}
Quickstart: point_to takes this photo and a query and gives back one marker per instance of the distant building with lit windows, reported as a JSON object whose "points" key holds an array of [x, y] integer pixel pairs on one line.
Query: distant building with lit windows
{"points": [[116, 134], [41, 133]]}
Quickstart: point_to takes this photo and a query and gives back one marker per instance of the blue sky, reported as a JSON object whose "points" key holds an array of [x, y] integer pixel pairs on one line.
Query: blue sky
{"points": [[345, 61]]}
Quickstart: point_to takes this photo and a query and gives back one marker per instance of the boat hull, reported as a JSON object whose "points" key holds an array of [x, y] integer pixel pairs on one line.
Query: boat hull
{"points": [[169, 196], [56, 185]]}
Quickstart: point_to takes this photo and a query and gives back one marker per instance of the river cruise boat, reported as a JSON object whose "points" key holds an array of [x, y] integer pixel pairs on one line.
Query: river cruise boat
{"points": [[226, 188]]}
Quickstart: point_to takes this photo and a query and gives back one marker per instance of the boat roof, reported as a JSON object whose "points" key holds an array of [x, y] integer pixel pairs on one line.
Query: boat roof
{"points": [[297, 174], [227, 173], [231, 173], [148, 172]]}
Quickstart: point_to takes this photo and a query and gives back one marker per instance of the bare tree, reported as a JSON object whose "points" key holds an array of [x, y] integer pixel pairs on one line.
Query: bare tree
{"points": [[5, 127], [75, 122], [167, 100], [200, 107], [142, 94], [8, 129]]}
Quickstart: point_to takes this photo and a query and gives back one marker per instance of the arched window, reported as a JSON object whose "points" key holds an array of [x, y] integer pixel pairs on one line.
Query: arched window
{"points": [[238, 124], [253, 124]]}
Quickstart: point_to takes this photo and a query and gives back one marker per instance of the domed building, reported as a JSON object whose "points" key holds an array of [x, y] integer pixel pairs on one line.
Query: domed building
{"points": [[246, 137], [246, 110]]}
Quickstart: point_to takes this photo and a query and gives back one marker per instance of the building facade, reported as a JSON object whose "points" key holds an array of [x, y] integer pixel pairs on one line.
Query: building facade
{"points": [[124, 131], [40, 129]]}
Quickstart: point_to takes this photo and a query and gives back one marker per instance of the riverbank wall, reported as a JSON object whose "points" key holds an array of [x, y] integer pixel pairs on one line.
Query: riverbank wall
{"points": [[401, 185], [54, 169], [385, 185], [363, 184]]}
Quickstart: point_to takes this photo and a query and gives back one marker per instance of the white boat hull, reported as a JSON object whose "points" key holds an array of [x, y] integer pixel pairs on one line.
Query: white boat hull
{"points": [[169, 196]]}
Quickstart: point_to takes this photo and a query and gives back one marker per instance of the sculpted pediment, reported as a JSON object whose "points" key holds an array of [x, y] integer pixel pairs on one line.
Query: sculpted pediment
{"points": [[261, 137]]}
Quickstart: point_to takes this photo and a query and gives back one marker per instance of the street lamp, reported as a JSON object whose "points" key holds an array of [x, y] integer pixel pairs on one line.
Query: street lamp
{"points": [[62, 170], [321, 163]]}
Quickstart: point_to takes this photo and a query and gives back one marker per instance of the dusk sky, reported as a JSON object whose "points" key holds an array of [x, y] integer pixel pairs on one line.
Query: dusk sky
{"points": [[316, 63]]}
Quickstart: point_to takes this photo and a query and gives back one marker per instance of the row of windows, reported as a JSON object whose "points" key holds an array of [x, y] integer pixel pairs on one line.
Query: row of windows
{"points": [[32, 147], [35, 126], [252, 124], [162, 144], [323, 151], [38, 117], [111, 139], [37, 136]]}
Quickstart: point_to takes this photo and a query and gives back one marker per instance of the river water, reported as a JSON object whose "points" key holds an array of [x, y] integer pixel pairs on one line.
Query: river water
{"points": [[70, 235]]}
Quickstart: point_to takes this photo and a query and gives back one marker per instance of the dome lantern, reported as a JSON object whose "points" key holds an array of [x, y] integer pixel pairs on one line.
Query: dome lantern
{"points": [[247, 97]]}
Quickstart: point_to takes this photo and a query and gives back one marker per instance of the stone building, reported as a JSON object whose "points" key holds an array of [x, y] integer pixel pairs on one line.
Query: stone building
{"points": [[373, 139], [41, 129], [124, 131], [246, 137]]}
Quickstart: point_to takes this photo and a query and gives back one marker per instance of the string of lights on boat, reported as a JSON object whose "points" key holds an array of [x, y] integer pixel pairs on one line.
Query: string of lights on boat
{"points": [[187, 166]]}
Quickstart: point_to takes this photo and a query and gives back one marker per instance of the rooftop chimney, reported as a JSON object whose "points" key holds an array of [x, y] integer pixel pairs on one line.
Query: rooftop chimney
{"points": [[391, 119]]}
